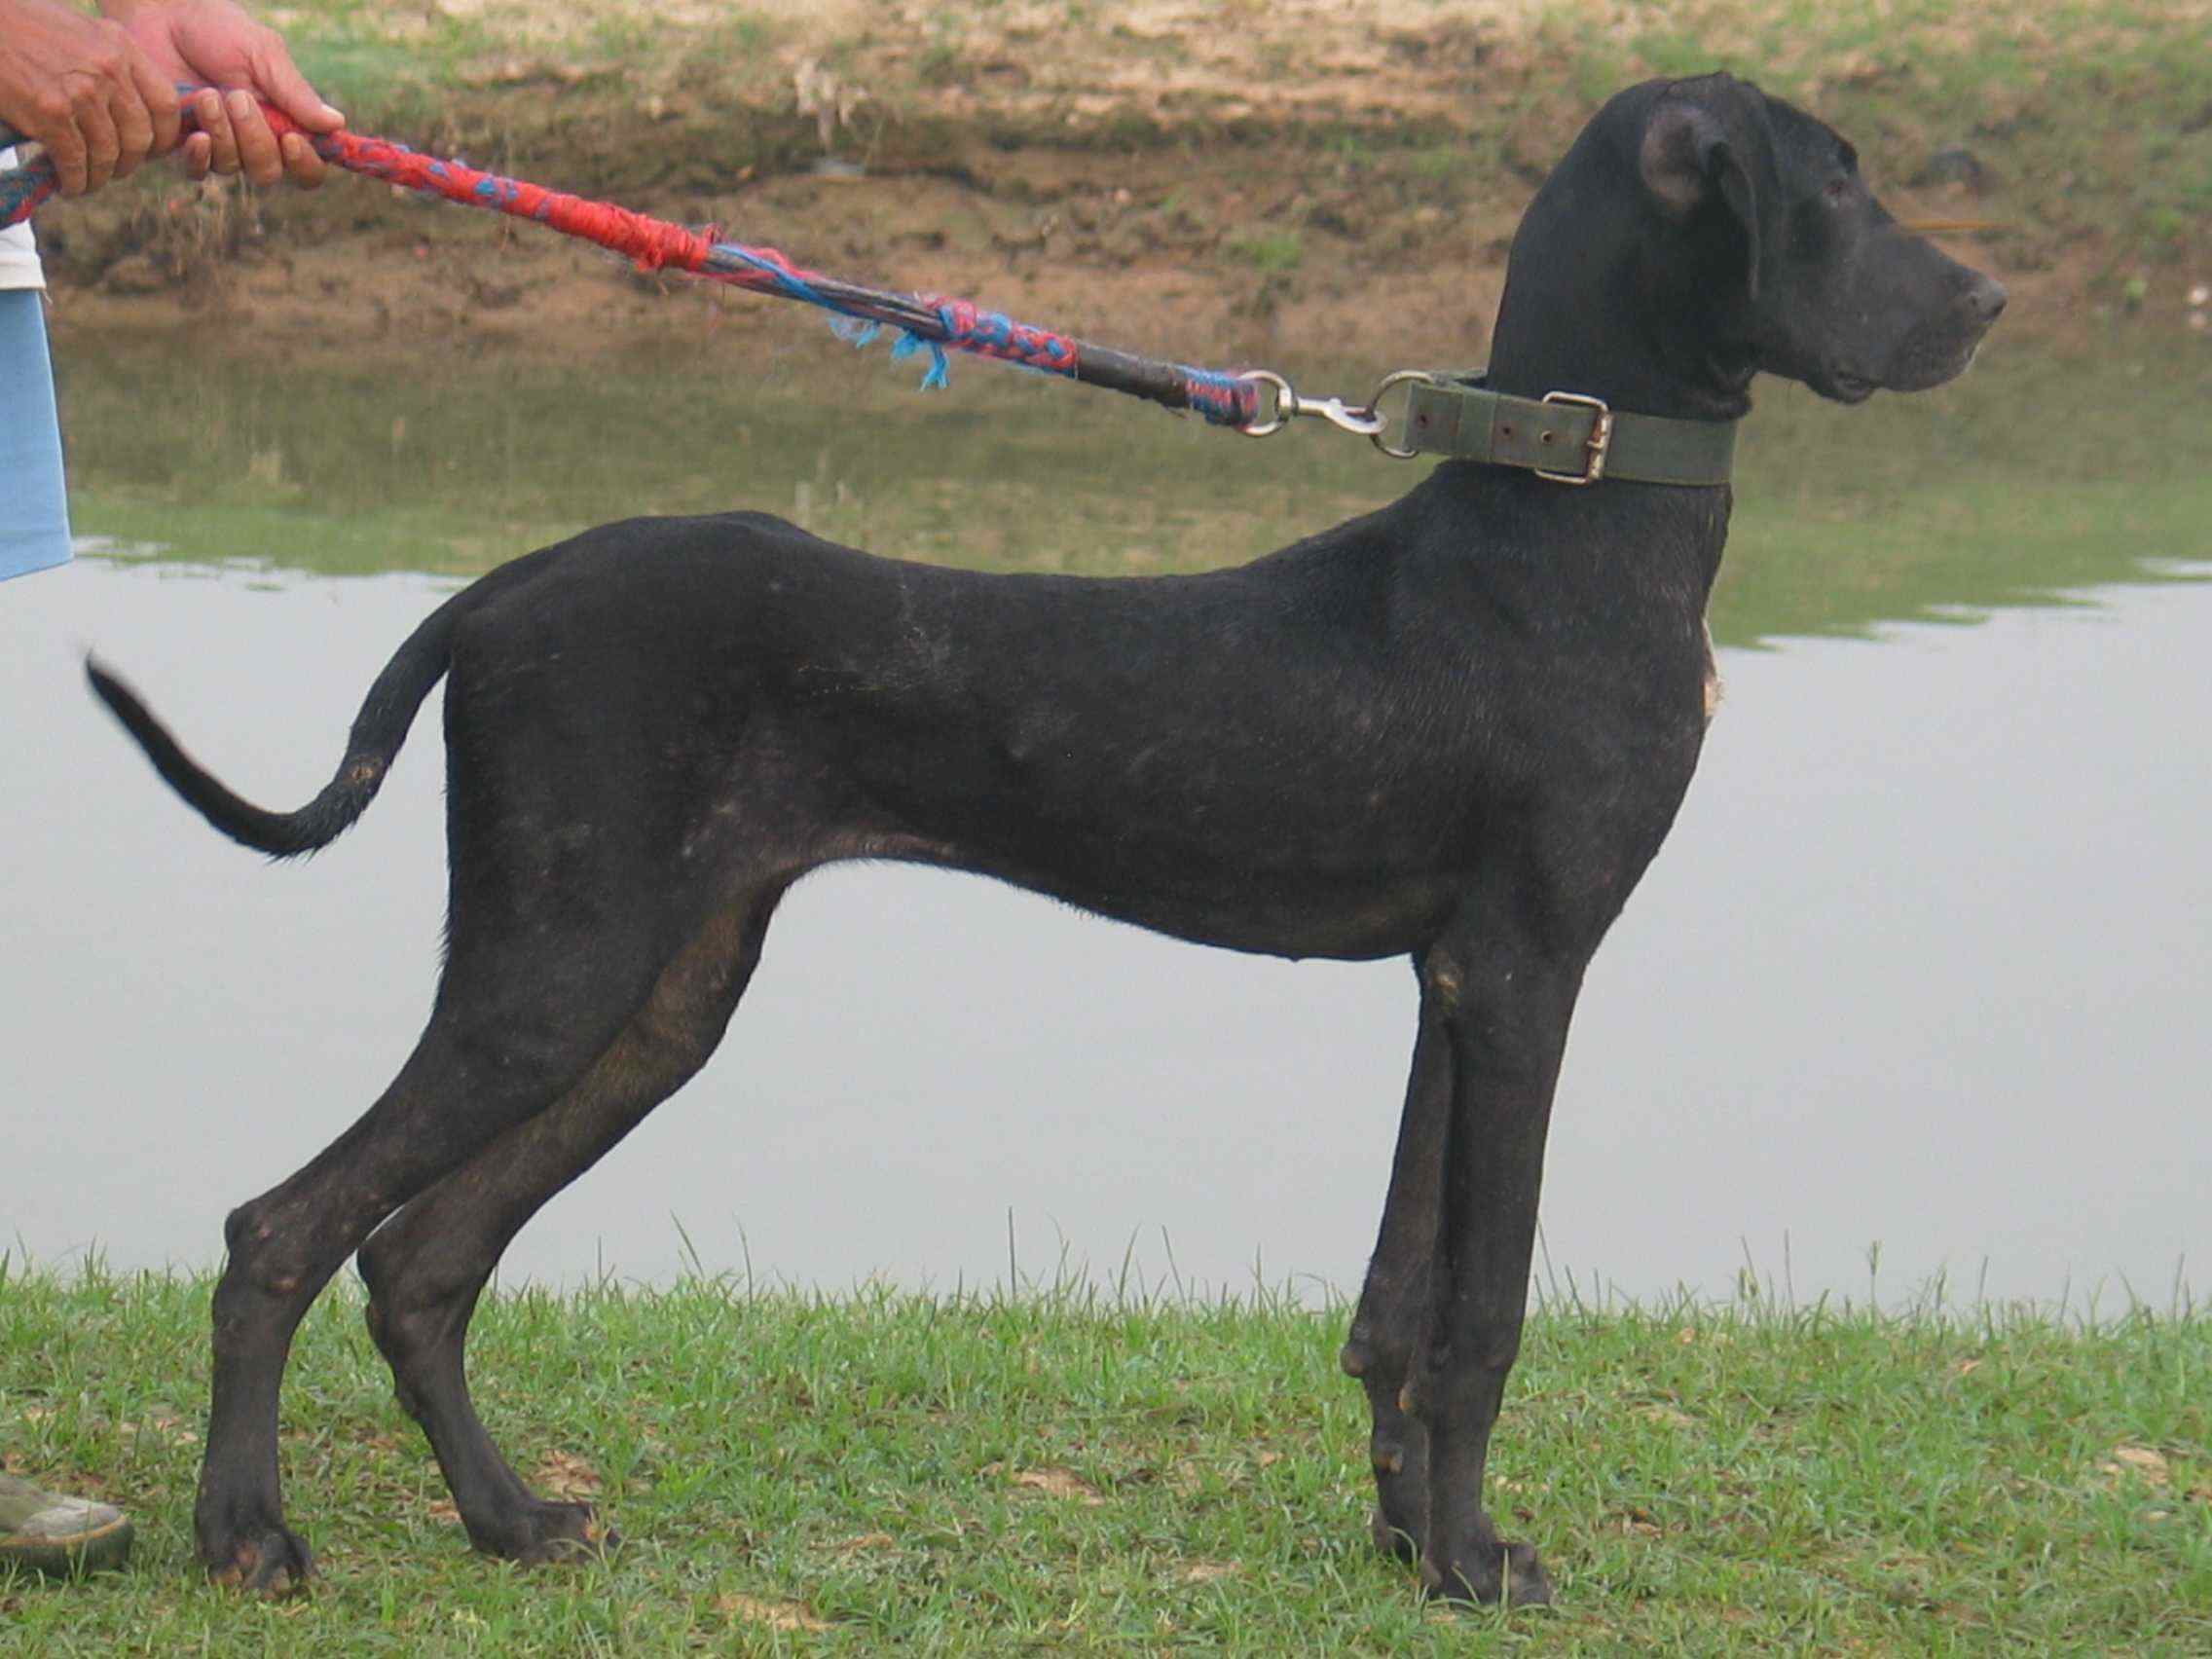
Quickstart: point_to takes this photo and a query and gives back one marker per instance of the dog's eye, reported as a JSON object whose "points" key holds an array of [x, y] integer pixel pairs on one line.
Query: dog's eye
{"points": [[1836, 192]]}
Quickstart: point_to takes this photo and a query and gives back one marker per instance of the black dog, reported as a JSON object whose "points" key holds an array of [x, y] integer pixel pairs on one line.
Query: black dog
{"points": [[1457, 729]]}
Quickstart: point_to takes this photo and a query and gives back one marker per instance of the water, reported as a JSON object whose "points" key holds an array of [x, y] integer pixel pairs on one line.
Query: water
{"points": [[1923, 967]]}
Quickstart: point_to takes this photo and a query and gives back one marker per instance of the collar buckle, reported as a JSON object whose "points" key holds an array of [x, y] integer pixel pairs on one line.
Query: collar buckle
{"points": [[1594, 452]]}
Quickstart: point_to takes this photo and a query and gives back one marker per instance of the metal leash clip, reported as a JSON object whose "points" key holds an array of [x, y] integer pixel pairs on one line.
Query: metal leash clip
{"points": [[1366, 420]]}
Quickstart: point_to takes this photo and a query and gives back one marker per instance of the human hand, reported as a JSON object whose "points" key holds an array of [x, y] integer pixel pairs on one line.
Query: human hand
{"points": [[240, 62], [86, 89]]}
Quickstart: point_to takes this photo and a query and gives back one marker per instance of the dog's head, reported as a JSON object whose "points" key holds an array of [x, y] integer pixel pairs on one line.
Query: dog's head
{"points": [[1807, 275], [1699, 232]]}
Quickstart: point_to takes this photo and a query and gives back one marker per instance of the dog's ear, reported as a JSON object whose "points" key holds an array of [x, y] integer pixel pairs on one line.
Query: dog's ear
{"points": [[1688, 156]]}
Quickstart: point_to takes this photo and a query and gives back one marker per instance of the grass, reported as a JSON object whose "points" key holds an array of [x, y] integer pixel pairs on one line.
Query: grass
{"points": [[1276, 250], [1063, 1470]]}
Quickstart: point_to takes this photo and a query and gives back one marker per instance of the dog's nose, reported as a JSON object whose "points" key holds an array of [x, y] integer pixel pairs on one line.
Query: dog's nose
{"points": [[1984, 298]]}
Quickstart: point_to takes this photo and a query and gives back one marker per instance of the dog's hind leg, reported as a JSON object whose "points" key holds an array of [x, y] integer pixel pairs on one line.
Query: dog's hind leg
{"points": [[1387, 1325], [426, 1267], [505, 1040]]}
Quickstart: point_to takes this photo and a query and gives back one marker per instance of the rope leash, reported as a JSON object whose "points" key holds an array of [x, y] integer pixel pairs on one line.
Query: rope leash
{"points": [[1257, 402], [1445, 414]]}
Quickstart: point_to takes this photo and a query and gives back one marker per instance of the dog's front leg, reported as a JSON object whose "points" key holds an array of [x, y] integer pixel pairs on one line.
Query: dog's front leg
{"points": [[1503, 1001], [1393, 1305]]}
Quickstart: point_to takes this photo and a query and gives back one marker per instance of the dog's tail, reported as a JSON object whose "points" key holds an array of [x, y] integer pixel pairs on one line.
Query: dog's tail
{"points": [[379, 729]]}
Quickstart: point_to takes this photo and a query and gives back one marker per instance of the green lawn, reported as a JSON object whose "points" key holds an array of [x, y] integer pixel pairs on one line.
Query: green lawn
{"points": [[1055, 1470]]}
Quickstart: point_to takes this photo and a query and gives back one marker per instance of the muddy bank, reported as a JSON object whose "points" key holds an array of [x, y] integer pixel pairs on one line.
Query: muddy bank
{"points": [[1320, 188]]}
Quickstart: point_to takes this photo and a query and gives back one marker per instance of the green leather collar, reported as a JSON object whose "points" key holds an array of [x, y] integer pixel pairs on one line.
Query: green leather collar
{"points": [[1563, 436]]}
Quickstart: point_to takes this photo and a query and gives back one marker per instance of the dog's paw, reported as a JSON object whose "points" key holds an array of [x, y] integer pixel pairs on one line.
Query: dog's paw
{"points": [[1507, 1573], [268, 1562], [547, 1532]]}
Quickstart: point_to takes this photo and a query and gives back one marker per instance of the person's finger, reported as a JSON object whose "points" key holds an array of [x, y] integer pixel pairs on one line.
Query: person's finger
{"points": [[197, 152], [221, 143], [134, 130], [279, 80], [64, 144], [163, 105], [258, 157], [68, 154], [96, 128], [301, 165]]}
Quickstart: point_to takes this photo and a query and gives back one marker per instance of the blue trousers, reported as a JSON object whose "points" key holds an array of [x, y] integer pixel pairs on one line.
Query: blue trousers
{"points": [[34, 512]]}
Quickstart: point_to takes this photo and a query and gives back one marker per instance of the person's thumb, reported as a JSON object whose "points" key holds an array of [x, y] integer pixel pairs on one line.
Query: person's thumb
{"points": [[283, 86]]}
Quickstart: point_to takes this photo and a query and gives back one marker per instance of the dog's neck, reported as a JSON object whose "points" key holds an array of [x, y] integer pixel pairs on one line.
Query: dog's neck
{"points": [[1609, 310], [1533, 361]]}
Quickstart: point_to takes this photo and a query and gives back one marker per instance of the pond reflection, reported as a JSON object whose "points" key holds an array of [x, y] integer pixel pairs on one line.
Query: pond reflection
{"points": [[1972, 495]]}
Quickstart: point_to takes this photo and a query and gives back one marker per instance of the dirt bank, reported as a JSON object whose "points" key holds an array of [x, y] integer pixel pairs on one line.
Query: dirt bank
{"points": [[1316, 186]]}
